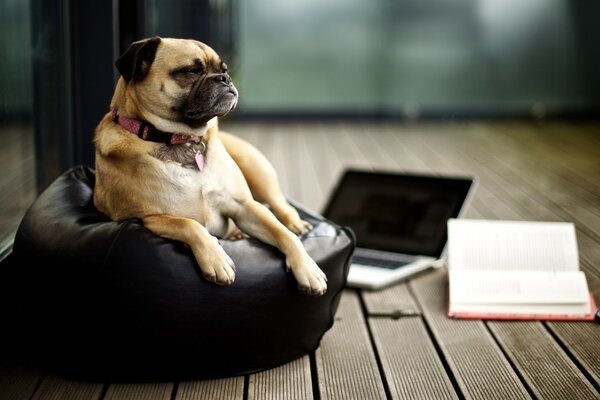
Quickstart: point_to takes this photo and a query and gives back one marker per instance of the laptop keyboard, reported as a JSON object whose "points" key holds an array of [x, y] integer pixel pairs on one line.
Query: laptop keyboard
{"points": [[380, 263]]}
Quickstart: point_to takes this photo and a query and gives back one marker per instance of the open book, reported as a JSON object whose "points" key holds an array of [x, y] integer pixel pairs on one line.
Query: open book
{"points": [[516, 270]]}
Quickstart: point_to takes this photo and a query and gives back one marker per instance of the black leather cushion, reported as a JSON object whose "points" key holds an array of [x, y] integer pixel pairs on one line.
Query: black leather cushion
{"points": [[107, 300]]}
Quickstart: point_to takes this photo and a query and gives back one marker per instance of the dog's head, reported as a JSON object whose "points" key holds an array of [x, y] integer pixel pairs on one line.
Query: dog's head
{"points": [[178, 80]]}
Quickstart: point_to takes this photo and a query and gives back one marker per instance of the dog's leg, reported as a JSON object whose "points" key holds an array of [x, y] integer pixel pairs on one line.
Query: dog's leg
{"points": [[215, 264], [263, 181], [256, 220]]}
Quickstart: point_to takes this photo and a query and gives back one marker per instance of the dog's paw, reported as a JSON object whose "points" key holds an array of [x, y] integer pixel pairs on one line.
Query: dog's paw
{"points": [[290, 218], [298, 226], [236, 234], [311, 279], [216, 265]]}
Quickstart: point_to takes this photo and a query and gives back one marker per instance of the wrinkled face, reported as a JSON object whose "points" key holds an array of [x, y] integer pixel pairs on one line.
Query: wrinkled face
{"points": [[180, 80]]}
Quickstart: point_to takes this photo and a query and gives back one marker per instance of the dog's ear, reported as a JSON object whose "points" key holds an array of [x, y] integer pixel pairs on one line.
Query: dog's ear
{"points": [[137, 59]]}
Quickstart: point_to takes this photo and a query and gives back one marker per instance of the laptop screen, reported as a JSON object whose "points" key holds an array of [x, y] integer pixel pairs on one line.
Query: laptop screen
{"points": [[398, 212]]}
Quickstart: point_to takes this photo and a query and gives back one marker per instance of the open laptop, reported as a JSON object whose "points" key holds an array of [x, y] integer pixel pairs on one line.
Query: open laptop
{"points": [[400, 221]]}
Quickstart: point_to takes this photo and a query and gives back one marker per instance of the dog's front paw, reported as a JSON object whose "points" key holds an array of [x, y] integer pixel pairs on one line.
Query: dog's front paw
{"points": [[298, 226], [311, 279], [236, 234], [216, 265], [290, 218]]}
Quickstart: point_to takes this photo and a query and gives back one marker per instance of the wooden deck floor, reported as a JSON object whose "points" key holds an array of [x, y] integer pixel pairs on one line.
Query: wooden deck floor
{"points": [[526, 172]]}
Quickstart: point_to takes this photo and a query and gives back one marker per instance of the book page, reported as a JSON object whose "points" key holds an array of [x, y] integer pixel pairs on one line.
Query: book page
{"points": [[526, 287], [488, 245]]}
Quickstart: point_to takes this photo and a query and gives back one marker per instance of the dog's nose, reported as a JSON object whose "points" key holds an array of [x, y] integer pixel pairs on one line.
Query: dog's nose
{"points": [[222, 78]]}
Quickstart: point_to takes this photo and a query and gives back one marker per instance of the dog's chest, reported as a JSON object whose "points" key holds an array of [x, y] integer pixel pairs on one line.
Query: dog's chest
{"points": [[187, 155], [200, 195]]}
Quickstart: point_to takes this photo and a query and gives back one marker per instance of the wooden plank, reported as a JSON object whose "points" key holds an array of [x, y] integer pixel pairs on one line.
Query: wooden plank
{"points": [[505, 210], [410, 363], [407, 150], [527, 206], [287, 147], [291, 381], [563, 151], [394, 151], [477, 363], [18, 183], [19, 382], [327, 164], [302, 171], [558, 195], [268, 138], [139, 391], [54, 387], [359, 148], [372, 138], [345, 149], [502, 197], [247, 131], [346, 364], [522, 203], [309, 168], [515, 180], [512, 201], [389, 300], [549, 373], [560, 155], [216, 389], [582, 341], [429, 146]]}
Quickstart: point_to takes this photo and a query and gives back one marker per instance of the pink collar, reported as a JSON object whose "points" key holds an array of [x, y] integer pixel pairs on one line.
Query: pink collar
{"points": [[145, 131]]}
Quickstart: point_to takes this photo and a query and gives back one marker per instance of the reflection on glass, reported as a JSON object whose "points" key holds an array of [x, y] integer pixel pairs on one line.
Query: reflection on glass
{"points": [[17, 162], [416, 56]]}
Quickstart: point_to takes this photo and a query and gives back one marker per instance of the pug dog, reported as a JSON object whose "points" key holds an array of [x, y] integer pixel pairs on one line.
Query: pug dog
{"points": [[161, 157]]}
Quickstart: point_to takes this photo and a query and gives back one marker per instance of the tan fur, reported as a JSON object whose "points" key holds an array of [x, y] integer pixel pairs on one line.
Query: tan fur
{"points": [[183, 203]]}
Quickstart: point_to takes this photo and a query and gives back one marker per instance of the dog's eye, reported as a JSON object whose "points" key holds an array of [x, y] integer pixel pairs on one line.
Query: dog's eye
{"points": [[224, 68], [191, 71]]}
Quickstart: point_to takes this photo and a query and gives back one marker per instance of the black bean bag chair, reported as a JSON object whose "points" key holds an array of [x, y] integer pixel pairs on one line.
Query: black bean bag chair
{"points": [[98, 299]]}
